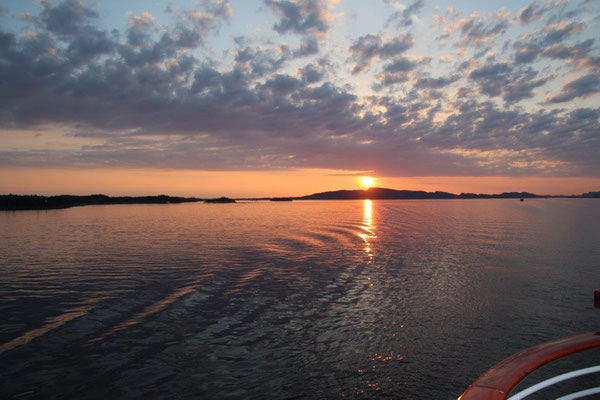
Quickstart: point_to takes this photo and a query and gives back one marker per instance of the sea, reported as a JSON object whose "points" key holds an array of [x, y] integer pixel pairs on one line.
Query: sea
{"points": [[394, 299]]}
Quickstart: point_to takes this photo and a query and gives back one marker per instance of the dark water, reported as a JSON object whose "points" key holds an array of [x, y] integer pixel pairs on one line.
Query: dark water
{"points": [[331, 299]]}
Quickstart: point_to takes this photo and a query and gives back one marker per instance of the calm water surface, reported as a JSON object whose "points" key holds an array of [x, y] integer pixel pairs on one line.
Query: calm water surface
{"points": [[313, 299]]}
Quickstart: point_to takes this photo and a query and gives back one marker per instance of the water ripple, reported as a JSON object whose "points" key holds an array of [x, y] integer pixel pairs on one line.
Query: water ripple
{"points": [[308, 299]]}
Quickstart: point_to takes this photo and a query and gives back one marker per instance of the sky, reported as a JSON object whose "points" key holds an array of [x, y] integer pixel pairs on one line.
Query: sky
{"points": [[290, 97]]}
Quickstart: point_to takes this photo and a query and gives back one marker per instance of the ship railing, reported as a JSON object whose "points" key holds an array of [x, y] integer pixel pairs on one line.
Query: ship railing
{"points": [[497, 382], [560, 378]]}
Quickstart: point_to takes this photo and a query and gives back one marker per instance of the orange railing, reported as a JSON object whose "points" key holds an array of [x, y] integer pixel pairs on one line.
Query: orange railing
{"points": [[497, 382]]}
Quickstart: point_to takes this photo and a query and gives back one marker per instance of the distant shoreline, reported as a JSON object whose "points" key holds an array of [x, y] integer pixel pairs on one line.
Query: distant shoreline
{"points": [[34, 202], [393, 194], [13, 202]]}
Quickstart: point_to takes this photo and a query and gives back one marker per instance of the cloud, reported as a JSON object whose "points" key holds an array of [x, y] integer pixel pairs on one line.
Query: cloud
{"points": [[526, 53], [150, 95], [435, 83], [208, 14], [7, 40], [72, 22], [532, 12], [308, 18], [399, 70], [282, 84], [300, 16], [522, 87], [477, 30], [546, 42], [584, 86], [147, 44], [576, 52], [502, 79], [577, 55], [556, 33], [67, 18], [371, 46], [401, 64], [314, 72], [592, 63], [139, 27], [260, 62], [492, 77], [404, 17], [308, 47]]}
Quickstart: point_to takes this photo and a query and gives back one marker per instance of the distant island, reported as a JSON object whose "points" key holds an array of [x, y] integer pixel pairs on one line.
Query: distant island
{"points": [[220, 200], [35, 202], [591, 195], [393, 194]]}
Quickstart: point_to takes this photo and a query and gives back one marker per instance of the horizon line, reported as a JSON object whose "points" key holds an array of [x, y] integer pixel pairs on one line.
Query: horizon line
{"points": [[300, 196]]}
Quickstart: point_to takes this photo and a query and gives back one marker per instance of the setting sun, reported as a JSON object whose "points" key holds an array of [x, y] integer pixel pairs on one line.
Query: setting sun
{"points": [[367, 181]]}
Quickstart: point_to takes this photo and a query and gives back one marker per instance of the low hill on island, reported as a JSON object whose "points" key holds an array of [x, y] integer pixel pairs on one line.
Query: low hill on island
{"points": [[383, 193], [594, 195]]}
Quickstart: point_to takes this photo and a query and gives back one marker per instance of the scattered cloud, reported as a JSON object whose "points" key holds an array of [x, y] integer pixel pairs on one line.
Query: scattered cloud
{"points": [[478, 30], [556, 33], [156, 93], [404, 17], [300, 16], [372, 46], [532, 12], [436, 83], [585, 86], [513, 84]]}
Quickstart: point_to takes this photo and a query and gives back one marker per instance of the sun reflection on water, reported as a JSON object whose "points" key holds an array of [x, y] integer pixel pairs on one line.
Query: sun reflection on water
{"points": [[368, 228]]}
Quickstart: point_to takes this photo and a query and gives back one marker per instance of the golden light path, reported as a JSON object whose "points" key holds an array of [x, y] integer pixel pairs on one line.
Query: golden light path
{"points": [[368, 228]]}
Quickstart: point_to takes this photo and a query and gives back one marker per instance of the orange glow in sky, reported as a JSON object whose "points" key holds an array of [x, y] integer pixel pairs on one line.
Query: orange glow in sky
{"points": [[239, 184]]}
